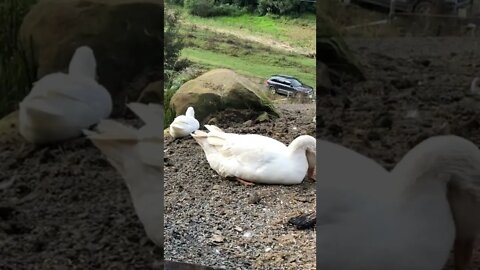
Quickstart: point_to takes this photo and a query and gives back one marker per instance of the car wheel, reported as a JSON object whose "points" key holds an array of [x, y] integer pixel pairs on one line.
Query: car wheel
{"points": [[423, 7], [273, 90]]}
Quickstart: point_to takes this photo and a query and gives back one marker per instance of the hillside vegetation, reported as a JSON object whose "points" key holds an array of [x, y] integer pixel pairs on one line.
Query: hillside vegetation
{"points": [[251, 43]]}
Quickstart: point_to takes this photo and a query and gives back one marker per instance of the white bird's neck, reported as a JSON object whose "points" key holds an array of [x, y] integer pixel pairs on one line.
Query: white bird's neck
{"points": [[439, 159], [304, 146], [190, 112], [83, 63]]}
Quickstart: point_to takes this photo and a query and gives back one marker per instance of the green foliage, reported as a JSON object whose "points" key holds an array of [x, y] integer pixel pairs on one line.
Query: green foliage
{"points": [[173, 40], [17, 73], [209, 8], [212, 8], [175, 2], [284, 7], [175, 84]]}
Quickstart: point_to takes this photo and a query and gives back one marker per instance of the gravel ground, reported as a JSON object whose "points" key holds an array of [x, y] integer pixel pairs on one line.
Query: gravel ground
{"points": [[220, 223], [416, 88], [68, 209]]}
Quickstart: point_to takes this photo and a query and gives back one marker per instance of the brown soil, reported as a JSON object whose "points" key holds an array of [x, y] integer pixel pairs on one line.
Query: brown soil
{"points": [[416, 88], [220, 223]]}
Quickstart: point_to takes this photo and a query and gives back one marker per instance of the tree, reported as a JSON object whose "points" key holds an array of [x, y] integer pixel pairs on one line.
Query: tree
{"points": [[173, 41]]}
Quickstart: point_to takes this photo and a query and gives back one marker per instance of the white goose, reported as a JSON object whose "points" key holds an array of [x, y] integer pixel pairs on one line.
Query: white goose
{"points": [[138, 156], [60, 105], [255, 158], [184, 125], [372, 219]]}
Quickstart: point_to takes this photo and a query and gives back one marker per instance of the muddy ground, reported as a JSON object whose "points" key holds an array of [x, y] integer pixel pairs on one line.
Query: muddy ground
{"points": [[218, 222], [416, 88]]}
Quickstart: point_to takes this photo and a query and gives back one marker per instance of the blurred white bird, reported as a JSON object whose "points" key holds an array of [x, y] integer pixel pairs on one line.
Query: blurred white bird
{"points": [[138, 156], [184, 125], [60, 105], [369, 218]]}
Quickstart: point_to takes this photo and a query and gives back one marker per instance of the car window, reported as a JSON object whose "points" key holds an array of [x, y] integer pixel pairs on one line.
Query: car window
{"points": [[296, 83]]}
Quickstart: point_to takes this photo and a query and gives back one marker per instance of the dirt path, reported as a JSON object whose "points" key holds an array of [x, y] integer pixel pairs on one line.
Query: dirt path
{"points": [[220, 223], [416, 88]]}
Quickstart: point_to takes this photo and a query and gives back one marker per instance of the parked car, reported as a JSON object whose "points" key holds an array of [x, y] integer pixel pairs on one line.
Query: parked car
{"points": [[288, 85], [418, 6]]}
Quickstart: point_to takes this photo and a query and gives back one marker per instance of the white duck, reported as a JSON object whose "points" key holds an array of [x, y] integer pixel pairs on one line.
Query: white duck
{"points": [[60, 105], [255, 158], [369, 218], [184, 125], [138, 156]]}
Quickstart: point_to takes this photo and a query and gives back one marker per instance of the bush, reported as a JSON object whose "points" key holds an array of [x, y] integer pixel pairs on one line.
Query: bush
{"points": [[175, 2], [17, 74], [172, 39], [177, 80], [208, 8], [284, 7]]}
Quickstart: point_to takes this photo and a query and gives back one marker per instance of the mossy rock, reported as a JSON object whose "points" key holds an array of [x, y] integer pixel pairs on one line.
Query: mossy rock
{"points": [[333, 51], [218, 90]]}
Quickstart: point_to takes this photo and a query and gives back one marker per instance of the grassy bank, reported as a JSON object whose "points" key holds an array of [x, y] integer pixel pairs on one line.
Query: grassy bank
{"points": [[213, 49], [249, 44]]}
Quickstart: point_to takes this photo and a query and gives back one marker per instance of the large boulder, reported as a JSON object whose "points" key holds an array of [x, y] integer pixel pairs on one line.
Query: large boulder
{"points": [[333, 51], [217, 90], [126, 36]]}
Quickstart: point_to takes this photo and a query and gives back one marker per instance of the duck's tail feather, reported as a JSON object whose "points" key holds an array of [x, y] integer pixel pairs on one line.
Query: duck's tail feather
{"points": [[140, 164], [213, 128], [150, 114]]}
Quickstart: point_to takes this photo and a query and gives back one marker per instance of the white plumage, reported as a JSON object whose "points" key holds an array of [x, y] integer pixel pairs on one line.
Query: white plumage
{"points": [[256, 158], [184, 125], [60, 105], [138, 156], [369, 218]]}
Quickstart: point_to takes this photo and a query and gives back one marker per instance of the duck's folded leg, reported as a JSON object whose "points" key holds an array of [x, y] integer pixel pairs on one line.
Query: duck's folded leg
{"points": [[245, 182], [463, 252]]}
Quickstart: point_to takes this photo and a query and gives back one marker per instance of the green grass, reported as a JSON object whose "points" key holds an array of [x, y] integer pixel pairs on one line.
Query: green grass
{"points": [[214, 50], [298, 32], [254, 65], [228, 42]]}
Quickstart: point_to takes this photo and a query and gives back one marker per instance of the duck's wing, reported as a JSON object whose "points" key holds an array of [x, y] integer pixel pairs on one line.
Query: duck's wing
{"points": [[68, 87], [213, 128], [183, 122], [248, 150]]}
